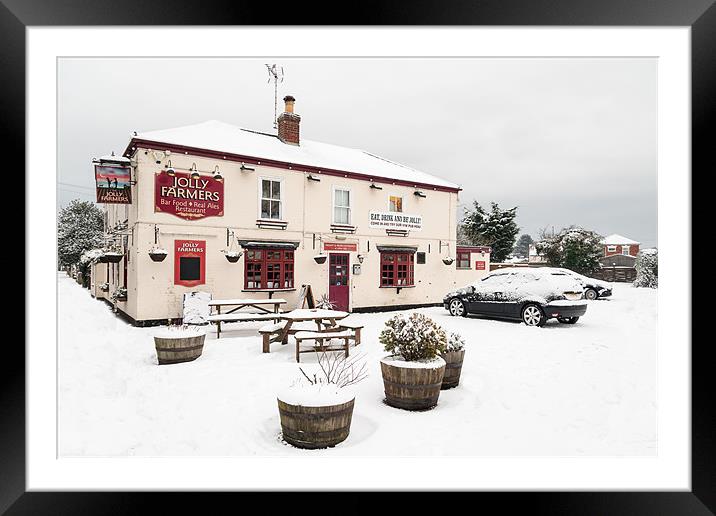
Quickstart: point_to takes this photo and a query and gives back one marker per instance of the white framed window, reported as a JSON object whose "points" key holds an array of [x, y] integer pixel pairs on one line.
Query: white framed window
{"points": [[625, 250], [611, 248], [270, 198], [341, 205]]}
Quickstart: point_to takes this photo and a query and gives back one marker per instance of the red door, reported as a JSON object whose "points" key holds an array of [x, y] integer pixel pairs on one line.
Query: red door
{"points": [[338, 288]]}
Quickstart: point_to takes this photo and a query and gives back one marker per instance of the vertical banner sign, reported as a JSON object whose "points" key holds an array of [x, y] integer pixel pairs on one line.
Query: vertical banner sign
{"points": [[189, 262], [480, 265], [188, 198], [113, 184]]}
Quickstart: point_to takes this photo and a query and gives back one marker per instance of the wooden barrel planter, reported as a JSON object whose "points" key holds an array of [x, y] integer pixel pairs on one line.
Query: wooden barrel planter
{"points": [[412, 388], [453, 368], [176, 350], [315, 427]]}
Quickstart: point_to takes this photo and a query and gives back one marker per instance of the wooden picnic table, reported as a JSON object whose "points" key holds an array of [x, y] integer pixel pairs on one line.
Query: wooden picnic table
{"points": [[247, 303], [318, 315]]}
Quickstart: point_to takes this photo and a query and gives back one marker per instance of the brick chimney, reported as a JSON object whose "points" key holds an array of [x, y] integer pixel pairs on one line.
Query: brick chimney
{"points": [[288, 123]]}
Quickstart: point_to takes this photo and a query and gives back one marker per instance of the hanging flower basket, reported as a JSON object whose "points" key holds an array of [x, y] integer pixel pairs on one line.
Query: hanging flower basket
{"points": [[104, 287], [320, 258], [113, 257], [448, 260], [120, 294], [158, 255], [233, 256]]}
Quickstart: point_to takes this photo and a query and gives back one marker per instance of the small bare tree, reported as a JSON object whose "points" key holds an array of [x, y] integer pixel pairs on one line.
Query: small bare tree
{"points": [[337, 369]]}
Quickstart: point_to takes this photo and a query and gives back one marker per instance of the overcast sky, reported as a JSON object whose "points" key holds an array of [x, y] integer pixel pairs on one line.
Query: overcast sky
{"points": [[567, 141]]}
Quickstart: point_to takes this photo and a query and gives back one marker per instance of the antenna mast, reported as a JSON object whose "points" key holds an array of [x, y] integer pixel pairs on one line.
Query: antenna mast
{"points": [[276, 73]]}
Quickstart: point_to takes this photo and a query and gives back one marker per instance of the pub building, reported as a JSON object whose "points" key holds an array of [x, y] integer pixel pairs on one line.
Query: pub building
{"points": [[245, 214]]}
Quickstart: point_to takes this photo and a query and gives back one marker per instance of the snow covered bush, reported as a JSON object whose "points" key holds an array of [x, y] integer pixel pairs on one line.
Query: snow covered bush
{"points": [[573, 248], [325, 303], [120, 293], [414, 338], [454, 343], [80, 227], [647, 269]]}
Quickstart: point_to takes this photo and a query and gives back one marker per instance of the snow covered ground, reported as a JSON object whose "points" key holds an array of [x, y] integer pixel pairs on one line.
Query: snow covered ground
{"points": [[561, 390]]}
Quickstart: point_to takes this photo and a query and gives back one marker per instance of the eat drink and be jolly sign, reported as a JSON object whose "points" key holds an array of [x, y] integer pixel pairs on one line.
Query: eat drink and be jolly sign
{"points": [[188, 198]]}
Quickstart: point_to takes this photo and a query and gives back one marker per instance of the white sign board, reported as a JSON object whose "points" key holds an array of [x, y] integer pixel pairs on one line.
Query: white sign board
{"points": [[395, 220]]}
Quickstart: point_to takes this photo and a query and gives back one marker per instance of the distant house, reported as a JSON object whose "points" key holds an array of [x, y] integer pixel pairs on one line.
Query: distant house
{"points": [[619, 245], [534, 256]]}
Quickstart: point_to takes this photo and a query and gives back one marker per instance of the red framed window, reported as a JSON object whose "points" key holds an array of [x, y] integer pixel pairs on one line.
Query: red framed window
{"points": [[462, 260], [396, 269], [268, 269]]}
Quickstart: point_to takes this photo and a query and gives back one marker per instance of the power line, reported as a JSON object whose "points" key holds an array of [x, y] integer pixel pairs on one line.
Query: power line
{"points": [[74, 185]]}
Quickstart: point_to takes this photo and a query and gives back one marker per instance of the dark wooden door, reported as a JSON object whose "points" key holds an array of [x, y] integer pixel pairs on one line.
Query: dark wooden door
{"points": [[338, 276]]}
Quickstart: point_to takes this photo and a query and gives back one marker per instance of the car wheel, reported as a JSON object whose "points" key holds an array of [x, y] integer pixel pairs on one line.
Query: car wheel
{"points": [[532, 315], [591, 294], [568, 320], [457, 308]]}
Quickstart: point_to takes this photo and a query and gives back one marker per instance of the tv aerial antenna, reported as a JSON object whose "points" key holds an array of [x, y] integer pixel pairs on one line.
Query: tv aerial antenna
{"points": [[276, 73]]}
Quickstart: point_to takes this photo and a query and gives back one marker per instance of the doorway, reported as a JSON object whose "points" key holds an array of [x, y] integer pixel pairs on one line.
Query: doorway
{"points": [[338, 284]]}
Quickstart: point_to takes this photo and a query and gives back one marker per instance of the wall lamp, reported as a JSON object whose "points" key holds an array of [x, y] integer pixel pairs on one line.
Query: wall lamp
{"points": [[170, 170], [375, 186], [361, 258], [245, 167], [312, 178], [217, 174], [418, 193], [194, 171]]}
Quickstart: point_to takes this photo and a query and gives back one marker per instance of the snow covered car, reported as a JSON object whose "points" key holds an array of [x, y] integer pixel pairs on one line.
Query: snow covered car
{"points": [[593, 288], [532, 295]]}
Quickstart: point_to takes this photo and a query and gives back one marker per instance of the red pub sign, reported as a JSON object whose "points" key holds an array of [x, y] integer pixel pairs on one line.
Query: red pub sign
{"points": [[188, 198], [339, 246], [480, 265], [189, 262]]}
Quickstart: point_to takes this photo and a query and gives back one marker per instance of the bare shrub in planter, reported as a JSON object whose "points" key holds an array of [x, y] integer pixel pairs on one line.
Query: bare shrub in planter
{"points": [[176, 344], [413, 373], [316, 411]]}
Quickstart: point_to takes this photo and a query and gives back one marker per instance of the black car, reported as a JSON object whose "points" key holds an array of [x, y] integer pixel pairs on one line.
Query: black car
{"points": [[532, 295], [593, 288]]}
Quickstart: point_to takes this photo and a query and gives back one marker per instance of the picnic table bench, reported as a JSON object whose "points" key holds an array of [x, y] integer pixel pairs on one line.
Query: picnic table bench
{"points": [[261, 313]]}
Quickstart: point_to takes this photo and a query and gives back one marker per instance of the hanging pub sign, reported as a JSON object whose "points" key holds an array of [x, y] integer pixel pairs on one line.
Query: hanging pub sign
{"points": [[188, 198], [396, 220], [189, 262], [113, 184]]}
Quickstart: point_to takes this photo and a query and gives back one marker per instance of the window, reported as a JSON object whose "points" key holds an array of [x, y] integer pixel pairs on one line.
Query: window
{"points": [[396, 204], [463, 260], [611, 248], [271, 205], [341, 206], [396, 269], [268, 269], [625, 250], [420, 258]]}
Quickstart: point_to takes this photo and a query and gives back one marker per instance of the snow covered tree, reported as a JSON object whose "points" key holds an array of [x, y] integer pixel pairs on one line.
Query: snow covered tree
{"points": [[495, 228], [522, 247], [80, 228], [647, 268], [573, 248]]}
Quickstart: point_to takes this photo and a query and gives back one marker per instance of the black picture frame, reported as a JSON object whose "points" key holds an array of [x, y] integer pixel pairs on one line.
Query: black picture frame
{"points": [[700, 15]]}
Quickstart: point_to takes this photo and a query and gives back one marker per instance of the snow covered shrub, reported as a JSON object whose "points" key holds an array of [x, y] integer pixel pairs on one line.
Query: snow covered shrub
{"points": [[573, 248], [647, 269], [325, 303], [414, 338], [454, 343]]}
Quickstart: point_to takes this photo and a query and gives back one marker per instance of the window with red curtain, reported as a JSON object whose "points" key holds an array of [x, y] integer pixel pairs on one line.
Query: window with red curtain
{"points": [[396, 269], [463, 260], [268, 269]]}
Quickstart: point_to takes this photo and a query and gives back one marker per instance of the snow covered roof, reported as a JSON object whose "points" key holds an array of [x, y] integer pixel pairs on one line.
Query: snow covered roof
{"points": [[221, 137], [616, 239]]}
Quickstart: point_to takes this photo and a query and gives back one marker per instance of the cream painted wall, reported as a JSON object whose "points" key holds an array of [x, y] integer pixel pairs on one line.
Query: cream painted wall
{"points": [[308, 210]]}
